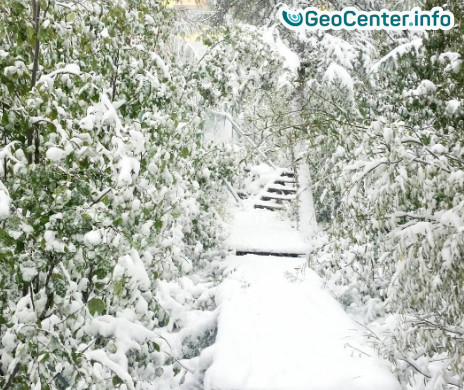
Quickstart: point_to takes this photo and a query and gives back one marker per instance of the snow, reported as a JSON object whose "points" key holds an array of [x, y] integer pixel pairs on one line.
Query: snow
{"points": [[414, 45], [9, 342], [101, 114], [4, 202], [93, 238], [291, 59], [188, 304], [110, 116], [452, 106], [336, 72], [86, 123], [418, 228], [126, 334], [306, 211], [199, 49], [149, 21], [55, 154], [425, 88], [340, 50], [47, 79], [279, 329], [455, 61], [261, 230], [451, 218], [70, 68], [161, 64], [101, 357], [439, 149], [25, 312], [28, 273], [131, 265], [127, 166], [448, 56], [52, 243]]}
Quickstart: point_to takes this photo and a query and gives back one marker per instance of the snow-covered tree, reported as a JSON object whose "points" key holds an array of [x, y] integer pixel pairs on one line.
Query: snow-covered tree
{"points": [[106, 189]]}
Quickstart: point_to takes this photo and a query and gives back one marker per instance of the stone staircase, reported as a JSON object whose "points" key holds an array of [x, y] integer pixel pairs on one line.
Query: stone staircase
{"points": [[269, 233], [281, 190], [264, 189]]}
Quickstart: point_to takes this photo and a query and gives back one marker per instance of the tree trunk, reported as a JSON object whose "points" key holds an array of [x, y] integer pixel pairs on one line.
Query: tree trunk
{"points": [[35, 70]]}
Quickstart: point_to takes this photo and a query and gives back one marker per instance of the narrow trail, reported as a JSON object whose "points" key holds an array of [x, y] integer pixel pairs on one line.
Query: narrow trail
{"points": [[278, 328]]}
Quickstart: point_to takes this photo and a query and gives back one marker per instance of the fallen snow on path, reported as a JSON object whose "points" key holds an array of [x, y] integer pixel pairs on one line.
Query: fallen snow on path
{"points": [[262, 230], [278, 329]]}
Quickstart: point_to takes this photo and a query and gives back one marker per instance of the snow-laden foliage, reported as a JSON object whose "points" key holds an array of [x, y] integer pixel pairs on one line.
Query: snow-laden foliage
{"points": [[110, 201], [387, 169]]}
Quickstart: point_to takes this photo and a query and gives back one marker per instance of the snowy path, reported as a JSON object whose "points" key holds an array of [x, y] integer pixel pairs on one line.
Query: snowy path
{"points": [[278, 329], [262, 231]]}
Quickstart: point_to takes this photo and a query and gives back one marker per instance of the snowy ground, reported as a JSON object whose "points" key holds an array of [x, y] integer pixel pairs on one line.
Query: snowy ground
{"points": [[278, 329], [264, 231]]}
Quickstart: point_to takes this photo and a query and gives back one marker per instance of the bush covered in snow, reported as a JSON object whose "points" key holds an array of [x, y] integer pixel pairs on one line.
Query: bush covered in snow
{"points": [[106, 190]]}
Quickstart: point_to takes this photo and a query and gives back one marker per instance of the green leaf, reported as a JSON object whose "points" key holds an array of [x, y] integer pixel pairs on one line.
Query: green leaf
{"points": [[117, 381], [163, 166], [176, 213], [5, 119], [119, 288], [96, 306], [70, 17], [5, 238], [185, 152], [76, 357], [17, 7], [159, 371], [158, 224], [19, 246], [101, 273]]}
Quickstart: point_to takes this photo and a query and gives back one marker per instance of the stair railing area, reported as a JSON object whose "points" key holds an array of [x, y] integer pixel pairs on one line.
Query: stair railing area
{"points": [[229, 131], [238, 130]]}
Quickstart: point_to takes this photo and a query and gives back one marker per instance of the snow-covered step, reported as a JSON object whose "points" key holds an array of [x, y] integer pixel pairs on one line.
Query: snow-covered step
{"points": [[288, 174], [285, 180], [268, 205], [271, 196], [262, 231], [273, 254], [242, 195], [282, 189]]}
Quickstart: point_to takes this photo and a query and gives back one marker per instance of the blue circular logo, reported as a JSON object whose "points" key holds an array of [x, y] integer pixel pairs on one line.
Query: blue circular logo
{"points": [[294, 20]]}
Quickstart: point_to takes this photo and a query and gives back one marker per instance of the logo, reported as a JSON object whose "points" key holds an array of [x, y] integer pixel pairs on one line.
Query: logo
{"points": [[351, 18], [293, 20]]}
